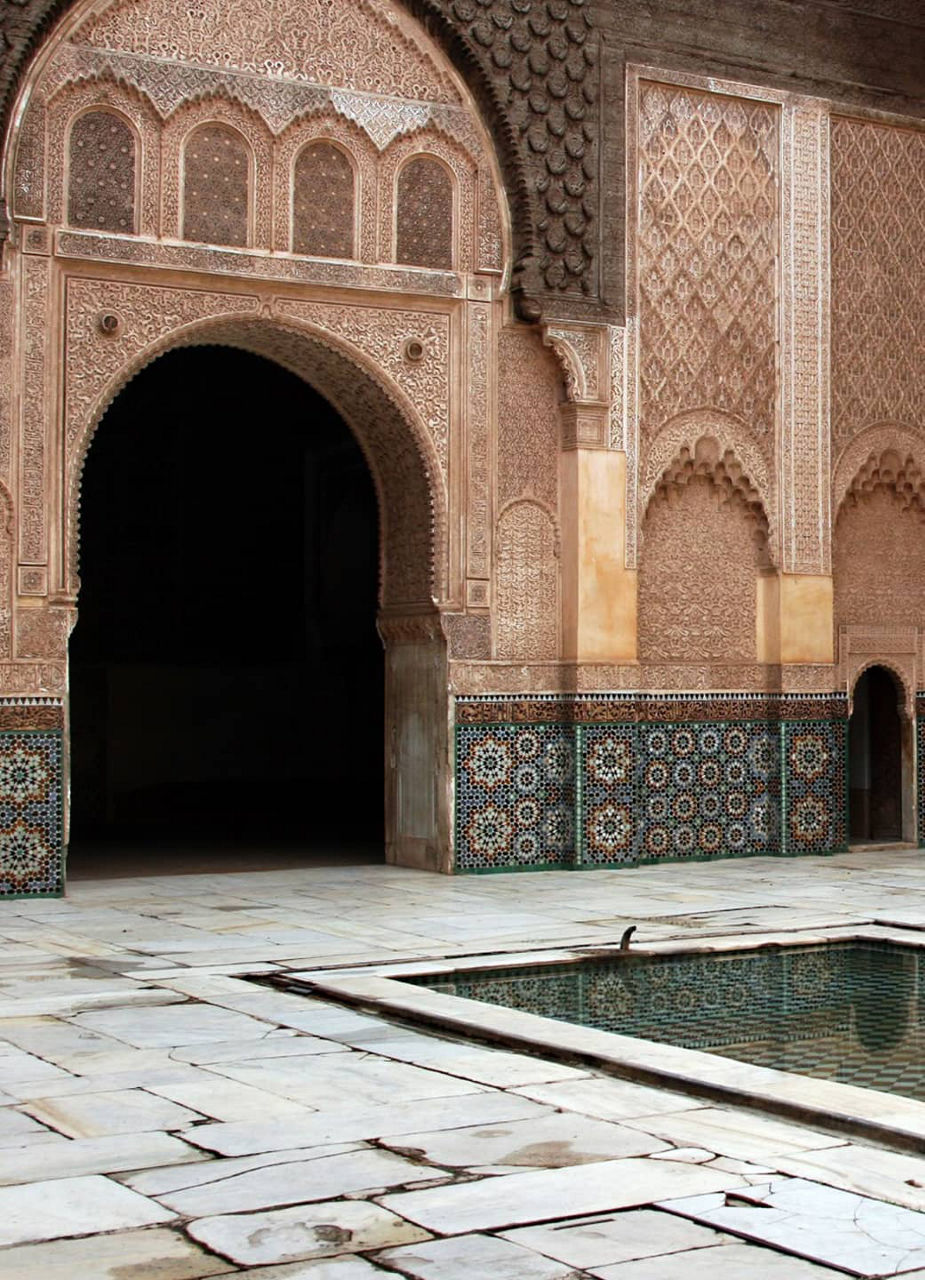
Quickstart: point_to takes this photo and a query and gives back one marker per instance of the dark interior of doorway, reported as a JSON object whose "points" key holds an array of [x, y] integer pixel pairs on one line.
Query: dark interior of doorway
{"points": [[875, 736], [226, 674]]}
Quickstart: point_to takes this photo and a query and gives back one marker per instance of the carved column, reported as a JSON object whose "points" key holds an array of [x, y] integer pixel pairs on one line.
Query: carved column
{"points": [[806, 626], [598, 590]]}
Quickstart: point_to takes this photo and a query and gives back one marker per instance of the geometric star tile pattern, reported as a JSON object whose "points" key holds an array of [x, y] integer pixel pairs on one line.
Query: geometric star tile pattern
{"points": [[31, 813]]}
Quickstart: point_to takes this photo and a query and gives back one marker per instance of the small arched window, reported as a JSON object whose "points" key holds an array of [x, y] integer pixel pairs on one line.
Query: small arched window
{"points": [[323, 202], [216, 186], [101, 173], [425, 215]]}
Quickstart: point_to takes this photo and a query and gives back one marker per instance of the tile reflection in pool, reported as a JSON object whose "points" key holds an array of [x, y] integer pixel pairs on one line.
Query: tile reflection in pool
{"points": [[851, 1012]]}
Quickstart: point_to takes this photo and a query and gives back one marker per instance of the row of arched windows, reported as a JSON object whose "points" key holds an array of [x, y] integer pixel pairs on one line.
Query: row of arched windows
{"points": [[217, 186]]}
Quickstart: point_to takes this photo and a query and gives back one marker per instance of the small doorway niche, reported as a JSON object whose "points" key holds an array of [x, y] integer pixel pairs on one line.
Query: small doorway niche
{"points": [[881, 762]]}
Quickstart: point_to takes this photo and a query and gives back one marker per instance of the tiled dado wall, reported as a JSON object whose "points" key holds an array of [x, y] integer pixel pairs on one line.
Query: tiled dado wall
{"points": [[31, 797], [604, 780]]}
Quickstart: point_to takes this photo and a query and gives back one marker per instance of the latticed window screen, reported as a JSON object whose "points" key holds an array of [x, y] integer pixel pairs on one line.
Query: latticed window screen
{"points": [[101, 173], [323, 199], [216, 186], [425, 215]]}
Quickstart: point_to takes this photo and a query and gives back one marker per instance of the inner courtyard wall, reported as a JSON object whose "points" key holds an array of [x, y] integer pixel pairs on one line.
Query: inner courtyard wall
{"points": [[629, 558]]}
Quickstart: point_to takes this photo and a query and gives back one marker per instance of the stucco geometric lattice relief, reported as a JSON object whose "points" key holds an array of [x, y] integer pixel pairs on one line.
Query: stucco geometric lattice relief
{"points": [[878, 276], [706, 256], [526, 615]]}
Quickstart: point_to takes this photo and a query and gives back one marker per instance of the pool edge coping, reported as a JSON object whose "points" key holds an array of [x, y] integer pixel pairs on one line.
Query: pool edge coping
{"points": [[886, 1119]]}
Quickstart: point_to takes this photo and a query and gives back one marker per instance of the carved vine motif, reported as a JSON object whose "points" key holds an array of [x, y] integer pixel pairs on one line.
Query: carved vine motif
{"points": [[707, 249], [878, 276], [526, 616], [701, 554]]}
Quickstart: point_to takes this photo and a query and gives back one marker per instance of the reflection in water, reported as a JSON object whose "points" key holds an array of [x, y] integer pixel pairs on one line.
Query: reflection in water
{"points": [[843, 1011]]}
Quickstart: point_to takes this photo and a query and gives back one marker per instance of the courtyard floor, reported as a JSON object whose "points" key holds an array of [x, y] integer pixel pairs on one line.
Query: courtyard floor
{"points": [[164, 1118]]}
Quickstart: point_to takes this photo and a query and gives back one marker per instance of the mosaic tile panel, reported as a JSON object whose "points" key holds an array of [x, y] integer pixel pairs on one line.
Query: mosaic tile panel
{"points": [[815, 794], [608, 781], [655, 778], [515, 796], [708, 790], [31, 813]]}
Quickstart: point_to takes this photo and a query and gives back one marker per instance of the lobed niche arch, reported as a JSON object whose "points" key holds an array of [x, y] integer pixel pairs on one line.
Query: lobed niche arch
{"points": [[412, 518]]}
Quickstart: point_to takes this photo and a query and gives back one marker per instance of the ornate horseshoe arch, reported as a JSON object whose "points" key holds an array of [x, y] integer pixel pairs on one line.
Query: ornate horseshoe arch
{"points": [[410, 490]]}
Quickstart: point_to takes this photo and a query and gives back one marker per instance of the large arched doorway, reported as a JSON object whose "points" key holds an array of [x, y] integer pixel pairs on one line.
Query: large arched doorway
{"points": [[226, 672], [880, 761]]}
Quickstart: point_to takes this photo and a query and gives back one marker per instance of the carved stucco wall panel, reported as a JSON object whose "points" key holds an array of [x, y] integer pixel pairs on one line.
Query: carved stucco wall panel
{"points": [[367, 47], [526, 612], [255, 133], [879, 560], [66, 106], [7, 304], [35, 303], [865, 451], [465, 177], [382, 333], [327, 127], [706, 256], [697, 577], [805, 341], [878, 277], [529, 393], [28, 196], [479, 459]]}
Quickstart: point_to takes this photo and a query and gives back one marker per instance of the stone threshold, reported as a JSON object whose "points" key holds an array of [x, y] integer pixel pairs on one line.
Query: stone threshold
{"points": [[885, 1119]]}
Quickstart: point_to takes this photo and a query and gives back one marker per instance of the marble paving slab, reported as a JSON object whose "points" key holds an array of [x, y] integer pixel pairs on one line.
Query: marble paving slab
{"points": [[176, 1024], [487, 1066], [306, 1231], [359, 1123], [546, 1194], [169, 1178], [76, 1157], [868, 1171], [739, 1134], [606, 1239], [474, 1257], [342, 1268], [298, 1182], [724, 1262], [95, 1115], [609, 1099], [51, 1210], [548, 1142], [822, 1224], [127, 1255], [329, 1081], [229, 1100]]}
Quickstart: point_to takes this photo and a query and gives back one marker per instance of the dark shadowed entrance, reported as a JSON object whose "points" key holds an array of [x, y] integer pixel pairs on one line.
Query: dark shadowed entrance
{"points": [[877, 766], [226, 673]]}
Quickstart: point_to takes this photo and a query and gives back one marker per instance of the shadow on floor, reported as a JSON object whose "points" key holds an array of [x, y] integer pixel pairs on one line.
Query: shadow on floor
{"points": [[163, 856]]}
